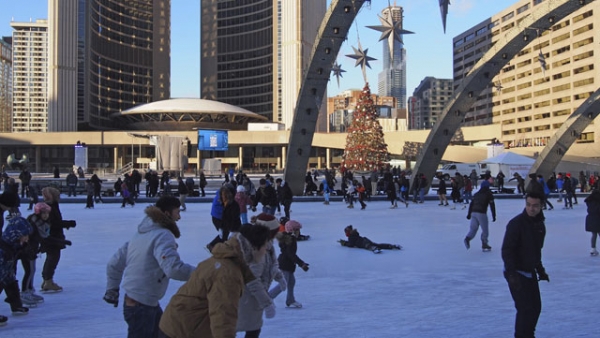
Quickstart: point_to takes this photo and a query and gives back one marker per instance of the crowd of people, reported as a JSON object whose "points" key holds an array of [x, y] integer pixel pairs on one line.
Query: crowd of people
{"points": [[243, 257]]}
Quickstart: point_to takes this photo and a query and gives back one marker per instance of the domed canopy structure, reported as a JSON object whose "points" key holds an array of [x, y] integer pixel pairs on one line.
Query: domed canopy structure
{"points": [[186, 114]]}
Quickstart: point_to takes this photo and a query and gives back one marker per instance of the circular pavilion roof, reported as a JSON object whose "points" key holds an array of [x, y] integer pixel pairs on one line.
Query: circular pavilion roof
{"points": [[187, 114]]}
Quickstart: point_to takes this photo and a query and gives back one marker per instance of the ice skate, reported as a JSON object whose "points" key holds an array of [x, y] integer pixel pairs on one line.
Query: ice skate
{"points": [[294, 305], [3, 320], [486, 248], [351, 206], [27, 299], [376, 250], [48, 286], [594, 252], [397, 247], [37, 298], [363, 207], [453, 207], [463, 207], [19, 310], [394, 206], [467, 241]]}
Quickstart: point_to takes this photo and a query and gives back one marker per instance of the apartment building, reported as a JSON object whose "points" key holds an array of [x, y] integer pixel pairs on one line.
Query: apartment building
{"points": [[529, 102]]}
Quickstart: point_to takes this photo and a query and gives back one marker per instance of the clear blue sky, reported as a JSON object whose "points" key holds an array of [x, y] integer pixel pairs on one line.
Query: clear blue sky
{"points": [[429, 51]]}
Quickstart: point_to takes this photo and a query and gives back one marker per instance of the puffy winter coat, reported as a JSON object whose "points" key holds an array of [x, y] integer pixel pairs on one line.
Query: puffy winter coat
{"points": [[207, 304], [288, 259], [523, 242], [10, 247], [592, 220], [255, 299], [148, 260]]}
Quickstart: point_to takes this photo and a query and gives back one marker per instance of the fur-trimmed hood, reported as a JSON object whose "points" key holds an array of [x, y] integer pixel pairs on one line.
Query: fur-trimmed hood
{"points": [[284, 237], [157, 219], [245, 247]]}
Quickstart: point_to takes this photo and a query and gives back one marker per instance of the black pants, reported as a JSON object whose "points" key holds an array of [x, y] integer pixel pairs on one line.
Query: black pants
{"points": [[24, 191], [252, 334], [89, 201], [28, 271], [202, 190], [33, 200], [13, 296], [528, 304], [286, 207], [52, 259]]}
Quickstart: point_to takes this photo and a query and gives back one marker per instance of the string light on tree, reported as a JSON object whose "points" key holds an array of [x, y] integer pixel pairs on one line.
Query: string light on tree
{"points": [[365, 145]]}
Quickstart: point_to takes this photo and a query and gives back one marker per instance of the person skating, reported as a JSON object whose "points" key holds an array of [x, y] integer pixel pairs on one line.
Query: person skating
{"points": [[478, 214], [288, 259], [284, 195], [522, 256], [14, 237], [143, 267], [355, 240], [207, 304], [592, 220]]}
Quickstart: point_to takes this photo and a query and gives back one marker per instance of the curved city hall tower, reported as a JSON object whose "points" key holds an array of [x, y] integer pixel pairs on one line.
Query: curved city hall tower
{"points": [[392, 80], [254, 53]]}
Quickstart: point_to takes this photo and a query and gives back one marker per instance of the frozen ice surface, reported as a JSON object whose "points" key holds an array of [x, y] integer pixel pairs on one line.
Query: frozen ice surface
{"points": [[434, 287]]}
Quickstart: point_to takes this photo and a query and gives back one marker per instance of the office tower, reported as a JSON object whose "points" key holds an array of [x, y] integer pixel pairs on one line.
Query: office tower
{"points": [[5, 84], [254, 53], [123, 58], [62, 65], [428, 102], [30, 69], [392, 79], [530, 103]]}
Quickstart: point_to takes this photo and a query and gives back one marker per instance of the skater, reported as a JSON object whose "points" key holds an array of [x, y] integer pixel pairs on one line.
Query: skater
{"points": [[520, 183], [89, 188], [230, 220], [207, 305], [442, 190], [256, 300], [592, 220], [14, 237], [25, 178], [33, 191], [522, 256], [326, 191], [97, 188], [468, 193], [500, 181], [267, 196], [72, 184], [350, 194], [126, 194], [117, 187], [361, 192], [183, 191], [202, 183], [455, 194], [243, 201], [547, 203], [144, 266], [569, 190], [355, 240], [478, 212], [288, 259], [284, 195], [55, 241], [40, 230]]}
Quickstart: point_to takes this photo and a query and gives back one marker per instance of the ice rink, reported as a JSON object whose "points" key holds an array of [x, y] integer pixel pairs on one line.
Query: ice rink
{"points": [[434, 287]]}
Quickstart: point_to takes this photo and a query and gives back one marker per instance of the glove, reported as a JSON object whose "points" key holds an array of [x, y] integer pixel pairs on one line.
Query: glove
{"points": [[282, 284], [513, 280], [305, 267], [112, 297], [469, 216], [542, 275], [69, 224], [270, 311], [67, 242], [342, 242]]}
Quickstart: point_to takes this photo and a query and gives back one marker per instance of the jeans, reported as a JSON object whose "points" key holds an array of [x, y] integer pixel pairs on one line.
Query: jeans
{"points": [[244, 217], [142, 320], [72, 190], [268, 210], [291, 283], [479, 219], [286, 207]]}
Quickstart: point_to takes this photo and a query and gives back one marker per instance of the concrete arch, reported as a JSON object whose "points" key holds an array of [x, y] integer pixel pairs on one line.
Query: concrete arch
{"points": [[332, 33], [565, 136], [542, 17]]}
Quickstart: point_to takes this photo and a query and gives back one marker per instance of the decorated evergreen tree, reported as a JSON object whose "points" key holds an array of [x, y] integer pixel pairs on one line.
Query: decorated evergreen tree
{"points": [[365, 147]]}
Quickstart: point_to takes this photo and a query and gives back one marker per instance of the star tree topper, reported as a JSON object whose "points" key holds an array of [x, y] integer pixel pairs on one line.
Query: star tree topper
{"points": [[361, 59]]}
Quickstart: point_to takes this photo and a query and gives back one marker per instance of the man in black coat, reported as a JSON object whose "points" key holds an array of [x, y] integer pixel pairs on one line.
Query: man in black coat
{"points": [[522, 256], [284, 195], [25, 178], [267, 196]]}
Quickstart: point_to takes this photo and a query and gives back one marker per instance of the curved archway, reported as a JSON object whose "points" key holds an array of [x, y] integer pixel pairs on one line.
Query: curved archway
{"points": [[332, 34], [480, 76], [565, 136]]}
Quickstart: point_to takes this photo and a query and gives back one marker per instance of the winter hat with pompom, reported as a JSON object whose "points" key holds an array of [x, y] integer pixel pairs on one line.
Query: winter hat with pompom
{"points": [[291, 226], [240, 188], [267, 220]]}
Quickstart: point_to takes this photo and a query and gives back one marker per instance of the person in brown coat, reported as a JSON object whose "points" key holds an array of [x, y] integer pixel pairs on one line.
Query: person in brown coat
{"points": [[207, 304]]}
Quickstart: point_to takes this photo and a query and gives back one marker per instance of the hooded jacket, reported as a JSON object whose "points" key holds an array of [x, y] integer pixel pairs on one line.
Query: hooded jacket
{"points": [[207, 305], [147, 262], [10, 247], [288, 245]]}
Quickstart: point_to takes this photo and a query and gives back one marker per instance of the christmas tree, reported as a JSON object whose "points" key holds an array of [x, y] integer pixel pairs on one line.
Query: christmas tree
{"points": [[365, 147]]}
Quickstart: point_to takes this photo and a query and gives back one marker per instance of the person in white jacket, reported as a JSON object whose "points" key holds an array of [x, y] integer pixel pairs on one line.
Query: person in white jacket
{"points": [[143, 267]]}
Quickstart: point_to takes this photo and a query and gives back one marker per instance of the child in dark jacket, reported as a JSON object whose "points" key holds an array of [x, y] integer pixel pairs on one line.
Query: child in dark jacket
{"points": [[15, 235], [288, 259], [355, 240]]}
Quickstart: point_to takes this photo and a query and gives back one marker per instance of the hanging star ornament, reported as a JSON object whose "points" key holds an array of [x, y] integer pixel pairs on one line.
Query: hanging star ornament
{"points": [[390, 27], [444, 12], [362, 59], [337, 72]]}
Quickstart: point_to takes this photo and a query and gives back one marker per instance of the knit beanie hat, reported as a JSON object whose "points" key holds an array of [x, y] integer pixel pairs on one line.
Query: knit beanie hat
{"points": [[348, 230], [291, 226], [267, 220], [240, 188]]}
